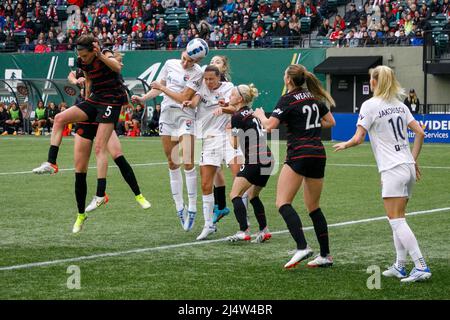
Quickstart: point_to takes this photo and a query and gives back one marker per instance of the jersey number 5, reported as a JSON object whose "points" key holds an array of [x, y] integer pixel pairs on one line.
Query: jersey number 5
{"points": [[310, 111]]}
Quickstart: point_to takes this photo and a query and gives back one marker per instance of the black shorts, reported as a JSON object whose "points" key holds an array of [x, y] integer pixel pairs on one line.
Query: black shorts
{"points": [[308, 167], [86, 130], [102, 109], [257, 174]]}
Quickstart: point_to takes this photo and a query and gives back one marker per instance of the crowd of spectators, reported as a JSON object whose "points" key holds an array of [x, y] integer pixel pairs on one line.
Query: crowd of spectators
{"points": [[45, 25]]}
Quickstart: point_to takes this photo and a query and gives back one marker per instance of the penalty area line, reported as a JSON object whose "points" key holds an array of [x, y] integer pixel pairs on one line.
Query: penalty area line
{"points": [[189, 244]]}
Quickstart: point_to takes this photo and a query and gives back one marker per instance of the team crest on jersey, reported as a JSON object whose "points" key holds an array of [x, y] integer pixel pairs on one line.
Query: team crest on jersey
{"points": [[186, 77], [188, 123]]}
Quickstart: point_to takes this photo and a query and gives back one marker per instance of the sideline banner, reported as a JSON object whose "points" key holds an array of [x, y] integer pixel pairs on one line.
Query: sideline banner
{"points": [[436, 127]]}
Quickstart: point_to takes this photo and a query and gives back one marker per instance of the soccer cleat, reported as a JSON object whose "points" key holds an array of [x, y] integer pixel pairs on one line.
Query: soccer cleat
{"points": [[393, 271], [78, 226], [321, 262], [142, 201], [207, 230], [219, 214], [262, 236], [46, 168], [181, 214], [298, 257], [97, 202], [15, 133], [5, 133], [240, 236], [417, 275], [190, 219]]}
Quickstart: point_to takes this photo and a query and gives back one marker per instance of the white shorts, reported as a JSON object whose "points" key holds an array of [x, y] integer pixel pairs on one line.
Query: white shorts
{"points": [[218, 150], [177, 129], [398, 182]]}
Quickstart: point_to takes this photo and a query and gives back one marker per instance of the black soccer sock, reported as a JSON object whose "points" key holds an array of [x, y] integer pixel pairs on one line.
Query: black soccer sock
{"points": [[294, 225], [80, 190], [240, 212], [215, 197], [53, 154], [321, 229], [219, 195], [260, 214], [101, 187], [128, 174]]}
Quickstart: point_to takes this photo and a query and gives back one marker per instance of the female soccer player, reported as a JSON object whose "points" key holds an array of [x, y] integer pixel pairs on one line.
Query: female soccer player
{"points": [[305, 113], [178, 80], [105, 97], [386, 119], [255, 173], [211, 125], [85, 134]]}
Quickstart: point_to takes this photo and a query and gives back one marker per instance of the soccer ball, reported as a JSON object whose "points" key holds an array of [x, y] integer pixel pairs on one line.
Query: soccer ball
{"points": [[197, 49]]}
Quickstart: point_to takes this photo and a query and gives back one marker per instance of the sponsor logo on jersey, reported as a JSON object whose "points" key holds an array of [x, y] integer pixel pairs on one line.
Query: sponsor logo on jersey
{"points": [[361, 117], [278, 111]]}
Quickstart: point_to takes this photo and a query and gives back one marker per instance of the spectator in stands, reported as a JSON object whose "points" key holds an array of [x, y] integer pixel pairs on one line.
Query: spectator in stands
{"points": [[352, 16], [412, 102], [27, 46], [334, 36], [417, 39], [183, 42], [129, 45], [52, 15], [229, 7], [445, 7], [338, 21], [271, 32], [150, 33], [257, 29], [225, 37], [41, 47], [215, 37], [52, 42], [350, 40], [205, 29], [3, 118], [435, 7], [14, 121], [153, 124], [41, 22], [161, 30], [171, 44], [324, 28], [373, 40], [235, 38], [402, 38], [51, 111], [40, 118]]}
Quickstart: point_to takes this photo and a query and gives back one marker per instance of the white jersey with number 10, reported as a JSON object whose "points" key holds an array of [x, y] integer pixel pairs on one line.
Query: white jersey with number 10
{"points": [[387, 125]]}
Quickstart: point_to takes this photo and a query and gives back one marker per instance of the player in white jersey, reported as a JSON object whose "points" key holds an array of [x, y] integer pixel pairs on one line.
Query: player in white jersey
{"points": [[386, 119], [211, 125], [178, 81]]}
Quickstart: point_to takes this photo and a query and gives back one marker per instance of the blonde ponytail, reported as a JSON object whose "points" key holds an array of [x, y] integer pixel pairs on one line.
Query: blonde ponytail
{"points": [[387, 87], [315, 87], [248, 93]]}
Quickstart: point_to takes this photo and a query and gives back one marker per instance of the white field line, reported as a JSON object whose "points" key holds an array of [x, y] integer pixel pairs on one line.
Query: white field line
{"points": [[355, 165], [189, 244]]}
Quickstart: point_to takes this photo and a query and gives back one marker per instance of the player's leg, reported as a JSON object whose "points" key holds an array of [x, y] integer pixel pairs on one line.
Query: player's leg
{"points": [[73, 114], [240, 186], [219, 190], [312, 190], [207, 173], [115, 149], [170, 145], [260, 214], [187, 142], [82, 152], [289, 182]]}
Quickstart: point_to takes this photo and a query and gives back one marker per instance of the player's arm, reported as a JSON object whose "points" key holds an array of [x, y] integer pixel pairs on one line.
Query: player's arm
{"points": [[72, 78], [108, 59], [153, 93], [328, 121], [357, 139], [267, 123], [87, 86], [186, 94], [193, 103], [418, 142]]}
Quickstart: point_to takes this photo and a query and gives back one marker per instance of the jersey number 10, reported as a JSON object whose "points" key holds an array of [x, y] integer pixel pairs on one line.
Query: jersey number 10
{"points": [[398, 129], [310, 111]]}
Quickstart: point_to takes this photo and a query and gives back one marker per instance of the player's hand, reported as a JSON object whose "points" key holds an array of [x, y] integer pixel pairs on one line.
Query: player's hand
{"points": [[136, 99], [187, 104], [259, 113], [81, 81], [218, 111], [157, 86], [339, 146], [418, 172], [97, 49], [222, 103]]}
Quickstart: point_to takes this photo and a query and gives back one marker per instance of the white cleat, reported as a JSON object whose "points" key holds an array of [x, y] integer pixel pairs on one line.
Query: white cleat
{"points": [[394, 272], [321, 262], [240, 236], [97, 202], [298, 257], [417, 275], [262, 236], [207, 230], [46, 168]]}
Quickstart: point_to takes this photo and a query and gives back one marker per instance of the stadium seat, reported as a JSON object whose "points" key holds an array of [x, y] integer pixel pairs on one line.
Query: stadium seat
{"points": [[277, 42], [173, 26], [305, 25], [170, 11], [441, 17], [62, 13], [180, 10], [332, 5], [342, 2], [434, 23], [171, 17]]}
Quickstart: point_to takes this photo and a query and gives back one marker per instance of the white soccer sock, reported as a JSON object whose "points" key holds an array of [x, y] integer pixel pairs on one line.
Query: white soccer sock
{"points": [[399, 248], [208, 207], [409, 241], [191, 186], [176, 185]]}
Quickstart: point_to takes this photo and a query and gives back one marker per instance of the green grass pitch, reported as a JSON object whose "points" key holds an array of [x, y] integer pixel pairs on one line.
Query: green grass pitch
{"points": [[37, 214]]}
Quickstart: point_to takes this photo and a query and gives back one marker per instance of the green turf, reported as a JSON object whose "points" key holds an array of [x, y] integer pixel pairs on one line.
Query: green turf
{"points": [[37, 213]]}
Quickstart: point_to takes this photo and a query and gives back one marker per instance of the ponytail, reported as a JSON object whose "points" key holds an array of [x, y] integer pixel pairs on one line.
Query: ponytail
{"points": [[315, 87], [247, 92]]}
